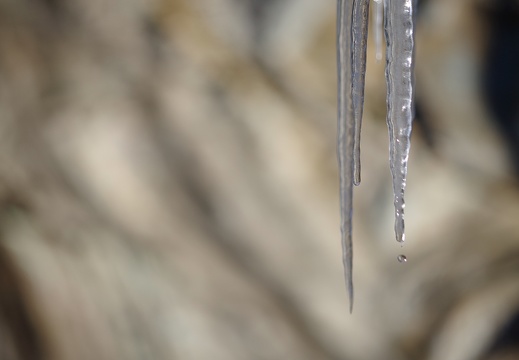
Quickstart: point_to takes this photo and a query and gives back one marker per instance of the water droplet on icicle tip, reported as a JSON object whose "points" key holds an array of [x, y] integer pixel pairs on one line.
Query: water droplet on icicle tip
{"points": [[399, 30], [402, 258]]}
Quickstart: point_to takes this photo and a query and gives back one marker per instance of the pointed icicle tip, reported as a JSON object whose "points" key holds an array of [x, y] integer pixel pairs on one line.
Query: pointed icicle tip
{"points": [[356, 178]]}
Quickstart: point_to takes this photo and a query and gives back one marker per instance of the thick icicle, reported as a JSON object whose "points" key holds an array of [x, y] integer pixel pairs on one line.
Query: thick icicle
{"points": [[360, 22], [346, 134], [399, 30]]}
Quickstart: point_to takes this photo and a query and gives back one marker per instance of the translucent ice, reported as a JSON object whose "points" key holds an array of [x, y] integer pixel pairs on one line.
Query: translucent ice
{"points": [[352, 29], [360, 44], [399, 30], [346, 134]]}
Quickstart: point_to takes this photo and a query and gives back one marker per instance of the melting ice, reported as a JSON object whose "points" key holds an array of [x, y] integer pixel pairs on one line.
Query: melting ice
{"points": [[352, 30]]}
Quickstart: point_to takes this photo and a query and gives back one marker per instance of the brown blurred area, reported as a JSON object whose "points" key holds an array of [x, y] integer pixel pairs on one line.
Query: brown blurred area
{"points": [[168, 188]]}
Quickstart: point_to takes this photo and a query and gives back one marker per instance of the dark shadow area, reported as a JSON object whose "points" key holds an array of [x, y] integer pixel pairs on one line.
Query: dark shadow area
{"points": [[500, 76], [508, 338]]}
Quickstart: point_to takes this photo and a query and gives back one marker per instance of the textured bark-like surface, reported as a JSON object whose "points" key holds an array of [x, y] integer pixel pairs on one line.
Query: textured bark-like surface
{"points": [[168, 189]]}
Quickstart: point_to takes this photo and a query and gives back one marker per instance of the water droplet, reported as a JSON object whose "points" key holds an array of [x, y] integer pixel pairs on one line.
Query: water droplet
{"points": [[402, 258]]}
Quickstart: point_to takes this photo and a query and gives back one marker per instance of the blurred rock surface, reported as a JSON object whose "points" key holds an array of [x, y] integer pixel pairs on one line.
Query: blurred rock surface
{"points": [[168, 188]]}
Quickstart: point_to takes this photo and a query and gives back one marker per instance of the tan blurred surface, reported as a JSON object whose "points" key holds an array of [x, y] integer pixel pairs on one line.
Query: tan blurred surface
{"points": [[169, 189]]}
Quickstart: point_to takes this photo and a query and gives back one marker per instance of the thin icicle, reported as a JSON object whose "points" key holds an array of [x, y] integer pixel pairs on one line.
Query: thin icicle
{"points": [[360, 43], [346, 134], [399, 30], [377, 24]]}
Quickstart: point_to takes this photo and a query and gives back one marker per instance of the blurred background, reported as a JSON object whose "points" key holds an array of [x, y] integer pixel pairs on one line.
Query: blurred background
{"points": [[169, 186]]}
